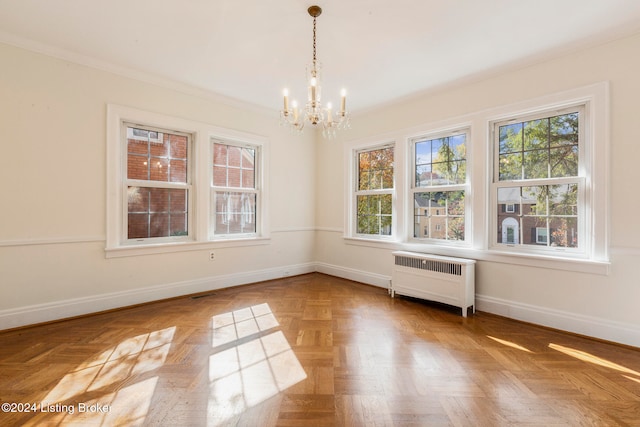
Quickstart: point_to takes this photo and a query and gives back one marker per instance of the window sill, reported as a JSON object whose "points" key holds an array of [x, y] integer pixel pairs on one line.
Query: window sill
{"points": [[551, 261], [163, 248]]}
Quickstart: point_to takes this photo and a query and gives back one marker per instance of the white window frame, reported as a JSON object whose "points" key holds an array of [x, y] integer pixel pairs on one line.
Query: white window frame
{"points": [[256, 190], [356, 192], [127, 182], [592, 256], [466, 187], [201, 155]]}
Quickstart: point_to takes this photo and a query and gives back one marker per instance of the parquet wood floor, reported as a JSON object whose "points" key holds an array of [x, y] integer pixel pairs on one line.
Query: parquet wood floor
{"points": [[311, 350]]}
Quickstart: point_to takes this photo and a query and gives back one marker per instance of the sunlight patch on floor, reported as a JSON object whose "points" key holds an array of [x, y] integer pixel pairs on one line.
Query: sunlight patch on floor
{"points": [[587, 357], [509, 344], [254, 362], [131, 357]]}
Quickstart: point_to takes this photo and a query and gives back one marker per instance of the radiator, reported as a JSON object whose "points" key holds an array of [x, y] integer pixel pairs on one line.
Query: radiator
{"points": [[435, 278]]}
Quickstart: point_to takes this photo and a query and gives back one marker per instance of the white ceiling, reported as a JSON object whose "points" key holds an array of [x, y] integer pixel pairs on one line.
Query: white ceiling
{"points": [[250, 50]]}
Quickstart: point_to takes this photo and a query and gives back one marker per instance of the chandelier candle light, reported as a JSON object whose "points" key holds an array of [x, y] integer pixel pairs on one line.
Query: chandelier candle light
{"points": [[313, 112]]}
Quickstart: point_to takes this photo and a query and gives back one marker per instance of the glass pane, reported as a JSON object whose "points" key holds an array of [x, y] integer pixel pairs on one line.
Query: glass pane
{"points": [[511, 138], [510, 166], [534, 200], [178, 171], [178, 146], [137, 167], [536, 134], [455, 229], [441, 161], [536, 164], [455, 203], [374, 214], [375, 169], [564, 161], [233, 176], [423, 175], [248, 178], [564, 130], [235, 154], [364, 161], [235, 213], [564, 232], [220, 154], [233, 166], [151, 155], [457, 145], [364, 181], [156, 212], [439, 150], [563, 199], [220, 176], [423, 152]]}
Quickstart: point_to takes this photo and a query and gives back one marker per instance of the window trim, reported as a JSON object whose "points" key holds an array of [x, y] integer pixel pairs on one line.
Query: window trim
{"points": [[201, 157], [582, 179], [258, 176], [356, 192], [458, 129], [126, 182], [479, 158]]}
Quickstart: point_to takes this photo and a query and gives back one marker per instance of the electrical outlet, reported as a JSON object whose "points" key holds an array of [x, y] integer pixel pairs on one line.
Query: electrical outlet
{"points": [[212, 256]]}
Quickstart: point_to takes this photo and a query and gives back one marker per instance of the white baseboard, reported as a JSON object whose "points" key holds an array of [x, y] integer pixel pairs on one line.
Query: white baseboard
{"points": [[622, 333], [595, 327], [40, 313], [355, 275]]}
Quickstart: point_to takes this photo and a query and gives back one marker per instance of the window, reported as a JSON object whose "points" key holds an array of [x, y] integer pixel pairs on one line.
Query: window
{"points": [[439, 186], [539, 171], [158, 184], [234, 189], [374, 191], [178, 185]]}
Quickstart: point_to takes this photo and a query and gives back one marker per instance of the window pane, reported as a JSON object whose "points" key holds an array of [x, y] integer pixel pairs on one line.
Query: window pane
{"points": [[235, 213], [564, 199], [536, 164], [564, 231], [511, 138], [374, 214], [156, 212], [564, 130], [538, 149], [233, 166], [441, 161], [510, 166], [375, 169], [151, 158], [423, 175], [544, 215], [564, 161], [536, 134], [439, 215]]}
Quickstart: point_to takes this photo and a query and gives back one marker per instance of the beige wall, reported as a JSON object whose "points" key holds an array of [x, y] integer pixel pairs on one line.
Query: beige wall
{"points": [[53, 189], [592, 304]]}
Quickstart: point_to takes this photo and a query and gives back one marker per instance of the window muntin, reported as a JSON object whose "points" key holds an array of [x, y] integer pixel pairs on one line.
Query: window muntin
{"points": [[439, 215], [538, 172], [234, 190], [158, 184], [374, 191], [440, 186]]}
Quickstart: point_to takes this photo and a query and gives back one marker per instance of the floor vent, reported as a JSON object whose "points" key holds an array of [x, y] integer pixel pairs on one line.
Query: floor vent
{"points": [[202, 296]]}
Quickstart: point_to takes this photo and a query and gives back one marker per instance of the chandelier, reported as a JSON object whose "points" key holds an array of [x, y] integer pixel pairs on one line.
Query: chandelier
{"points": [[313, 112]]}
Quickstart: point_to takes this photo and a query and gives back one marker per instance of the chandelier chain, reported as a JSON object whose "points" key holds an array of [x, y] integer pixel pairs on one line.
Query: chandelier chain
{"points": [[314, 40]]}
